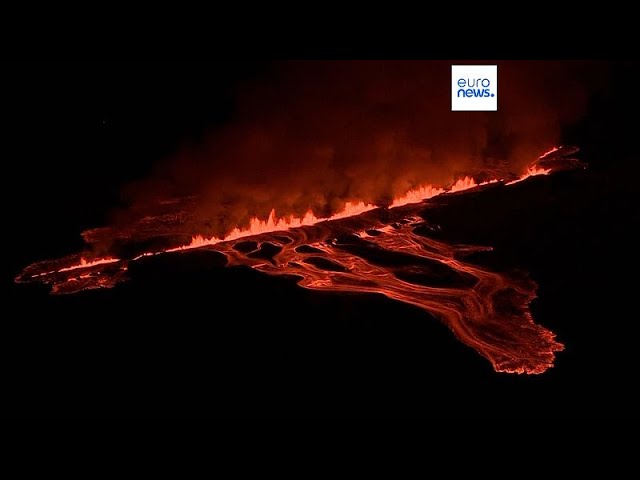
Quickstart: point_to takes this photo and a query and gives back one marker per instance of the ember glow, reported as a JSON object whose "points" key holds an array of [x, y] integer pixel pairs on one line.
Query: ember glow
{"points": [[429, 191], [354, 250], [273, 224], [532, 171], [90, 263]]}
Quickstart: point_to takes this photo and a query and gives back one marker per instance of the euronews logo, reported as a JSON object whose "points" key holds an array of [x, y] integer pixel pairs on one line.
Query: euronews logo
{"points": [[475, 92], [474, 88]]}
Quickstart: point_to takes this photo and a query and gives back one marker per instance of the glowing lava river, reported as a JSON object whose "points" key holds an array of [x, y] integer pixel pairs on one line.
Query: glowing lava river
{"points": [[366, 248]]}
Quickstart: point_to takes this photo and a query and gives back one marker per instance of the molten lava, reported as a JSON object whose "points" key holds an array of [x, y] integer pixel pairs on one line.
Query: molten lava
{"points": [[90, 263], [532, 171], [273, 224], [355, 251], [485, 310]]}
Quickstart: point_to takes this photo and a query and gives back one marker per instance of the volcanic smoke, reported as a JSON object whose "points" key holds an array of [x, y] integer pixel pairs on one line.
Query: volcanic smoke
{"points": [[350, 153]]}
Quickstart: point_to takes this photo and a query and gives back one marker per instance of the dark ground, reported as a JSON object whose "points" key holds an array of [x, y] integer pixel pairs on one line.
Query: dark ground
{"points": [[161, 347]]}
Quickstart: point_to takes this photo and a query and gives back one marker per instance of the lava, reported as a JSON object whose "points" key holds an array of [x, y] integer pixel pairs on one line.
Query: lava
{"points": [[532, 171], [273, 224], [355, 251], [90, 263], [487, 311]]}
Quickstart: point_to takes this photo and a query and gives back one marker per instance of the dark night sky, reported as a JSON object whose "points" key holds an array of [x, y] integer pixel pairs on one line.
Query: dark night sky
{"points": [[86, 127]]}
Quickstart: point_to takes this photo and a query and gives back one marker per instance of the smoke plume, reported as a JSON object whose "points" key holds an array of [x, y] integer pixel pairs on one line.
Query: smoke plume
{"points": [[313, 135]]}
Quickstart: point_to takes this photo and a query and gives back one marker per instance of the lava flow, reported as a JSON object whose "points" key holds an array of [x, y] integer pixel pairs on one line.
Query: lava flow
{"points": [[366, 248]]}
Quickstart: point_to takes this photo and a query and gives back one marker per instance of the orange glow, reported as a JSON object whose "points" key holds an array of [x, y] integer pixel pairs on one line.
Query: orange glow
{"points": [[273, 224], [462, 184], [417, 195], [468, 301], [554, 149], [470, 307], [148, 254], [90, 263], [531, 172], [429, 191], [352, 209]]}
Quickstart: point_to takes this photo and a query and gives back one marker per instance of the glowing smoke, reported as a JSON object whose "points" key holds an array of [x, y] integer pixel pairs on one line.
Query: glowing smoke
{"points": [[315, 135]]}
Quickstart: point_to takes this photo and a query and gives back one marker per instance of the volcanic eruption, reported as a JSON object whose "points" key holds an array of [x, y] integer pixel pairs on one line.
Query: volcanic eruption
{"points": [[354, 215], [368, 249]]}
